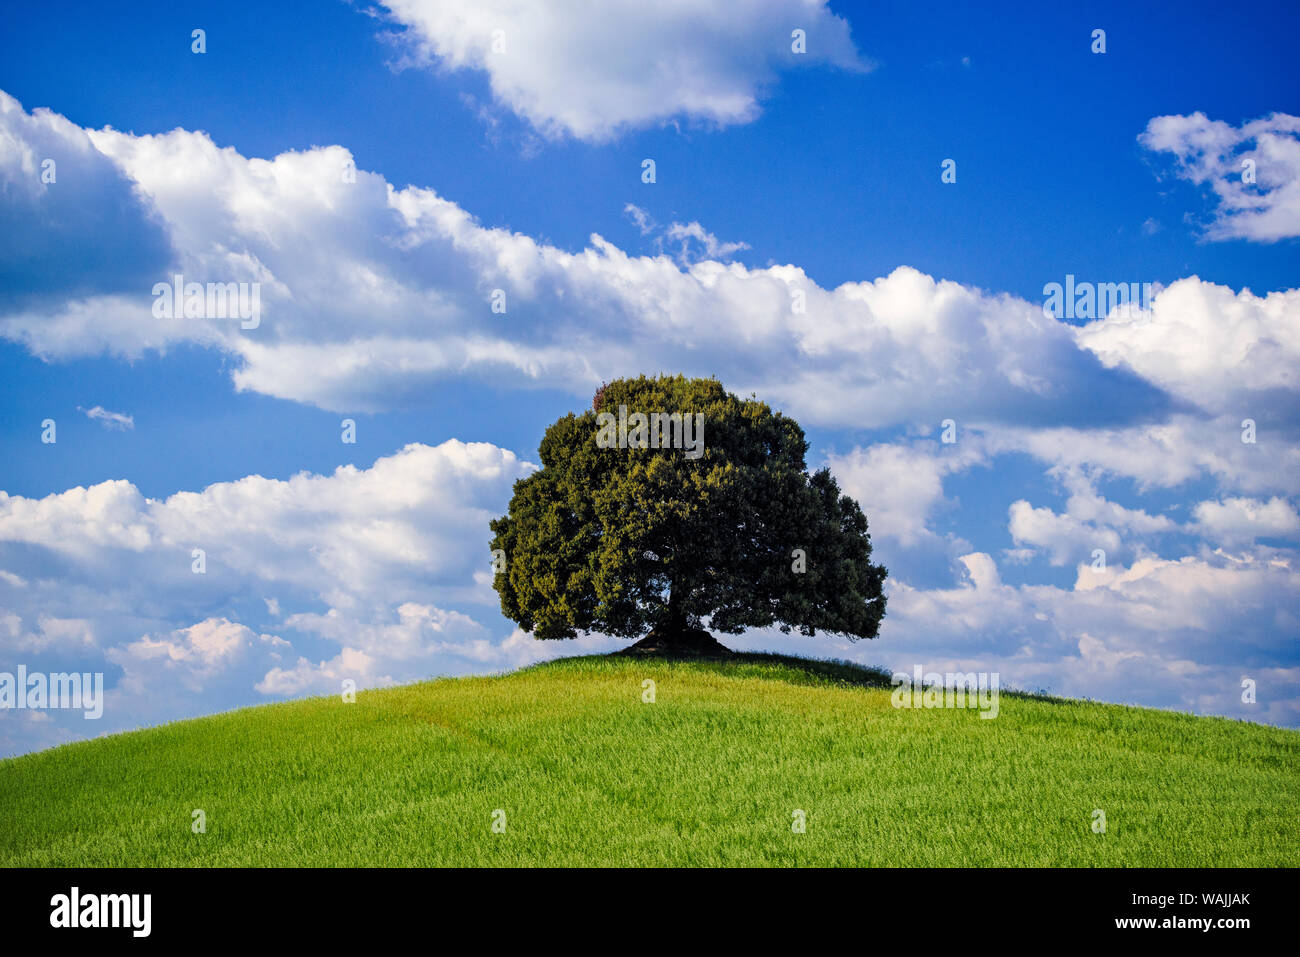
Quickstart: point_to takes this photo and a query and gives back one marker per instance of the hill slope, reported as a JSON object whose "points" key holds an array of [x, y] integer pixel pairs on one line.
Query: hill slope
{"points": [[710, 773]]}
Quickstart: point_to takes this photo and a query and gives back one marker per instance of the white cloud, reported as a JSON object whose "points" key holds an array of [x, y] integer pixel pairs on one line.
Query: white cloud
{"points": [[1237, 521], [113, 421], [380, 577], [644, 221], [71, 222], [1175, 634], [1211, 347], [374, 568], [693, 242], [372, 296], [591, 70], [900, 486], [1170, 634], [1090, 522], [1213, 152], [1064, 536], [188, 656], [1164, 454]]}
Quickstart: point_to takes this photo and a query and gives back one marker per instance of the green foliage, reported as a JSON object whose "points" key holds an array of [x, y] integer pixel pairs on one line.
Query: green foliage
{"points": [[589, 775], [620, 541]]}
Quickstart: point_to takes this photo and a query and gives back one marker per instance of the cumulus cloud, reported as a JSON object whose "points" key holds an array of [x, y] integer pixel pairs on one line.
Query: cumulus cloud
{"points": [[1237, 521], [1178, 634], [592, 70], [1089, 522], [1211, 347], [185, 657], [342, 538], [380, 575], [1253, 170], [1153, 633], [900, 486], [1165, 454], [372, 295], [72, 223]]}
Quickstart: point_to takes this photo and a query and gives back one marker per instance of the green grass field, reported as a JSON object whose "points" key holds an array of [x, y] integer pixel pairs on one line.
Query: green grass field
{"points": [[711, 773]]}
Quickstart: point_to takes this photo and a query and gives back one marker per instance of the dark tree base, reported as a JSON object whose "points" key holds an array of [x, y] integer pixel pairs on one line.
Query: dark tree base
{"points": [[683, 643]]}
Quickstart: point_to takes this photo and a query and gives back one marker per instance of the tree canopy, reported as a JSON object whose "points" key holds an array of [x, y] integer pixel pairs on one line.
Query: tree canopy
{"points": [[672, 501]]}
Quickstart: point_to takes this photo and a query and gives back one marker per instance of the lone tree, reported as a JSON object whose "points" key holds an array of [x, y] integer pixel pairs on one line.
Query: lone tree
{"points": [[672, 501]]}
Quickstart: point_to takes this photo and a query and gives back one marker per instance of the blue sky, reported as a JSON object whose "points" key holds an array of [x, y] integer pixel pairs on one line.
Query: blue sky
{"points": [[481, 169]]}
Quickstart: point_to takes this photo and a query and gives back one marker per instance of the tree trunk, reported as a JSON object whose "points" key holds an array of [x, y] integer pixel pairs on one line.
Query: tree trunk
{"points": [[674, 637], [673, 626]]}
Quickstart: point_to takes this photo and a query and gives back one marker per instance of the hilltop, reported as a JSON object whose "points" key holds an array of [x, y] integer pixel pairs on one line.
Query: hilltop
{"points": [[582, 771]]}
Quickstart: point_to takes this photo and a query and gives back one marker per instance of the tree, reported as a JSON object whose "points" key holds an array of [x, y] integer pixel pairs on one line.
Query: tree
{"points": [[706, 511]]}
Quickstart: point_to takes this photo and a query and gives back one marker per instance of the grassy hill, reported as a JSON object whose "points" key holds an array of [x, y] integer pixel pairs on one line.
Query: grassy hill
{"points": [[709, 774]]}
